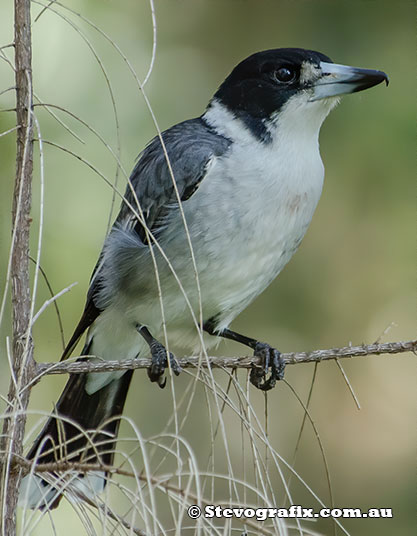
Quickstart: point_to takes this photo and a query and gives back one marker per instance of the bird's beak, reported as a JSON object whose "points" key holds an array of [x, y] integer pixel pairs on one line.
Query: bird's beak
{"points": [[342, 79]]}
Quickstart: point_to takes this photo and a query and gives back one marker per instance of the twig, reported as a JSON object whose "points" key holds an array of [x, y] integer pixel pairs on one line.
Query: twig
{"points": [[8, 131], [292, 358], [47, 303], [58, 314], [347, 381]]}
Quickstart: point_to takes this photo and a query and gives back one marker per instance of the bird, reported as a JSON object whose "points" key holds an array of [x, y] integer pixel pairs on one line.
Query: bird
{"points": [[214, 208]]}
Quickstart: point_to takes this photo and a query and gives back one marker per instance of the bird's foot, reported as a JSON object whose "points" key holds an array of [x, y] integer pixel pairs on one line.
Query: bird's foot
{"points": [[270, 358], [160, 358]]}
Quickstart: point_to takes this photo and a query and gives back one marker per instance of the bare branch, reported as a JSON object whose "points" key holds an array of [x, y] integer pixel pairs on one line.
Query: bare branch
{"points": [[292, 358], [22, 356]]}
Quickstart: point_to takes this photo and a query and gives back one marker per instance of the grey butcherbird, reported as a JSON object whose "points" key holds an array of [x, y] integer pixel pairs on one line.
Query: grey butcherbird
{"points": [[248, 176]]}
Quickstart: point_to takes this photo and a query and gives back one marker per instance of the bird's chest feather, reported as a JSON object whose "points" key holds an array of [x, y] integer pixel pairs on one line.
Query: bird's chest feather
{"points": [[262, 199], [251, 213]]}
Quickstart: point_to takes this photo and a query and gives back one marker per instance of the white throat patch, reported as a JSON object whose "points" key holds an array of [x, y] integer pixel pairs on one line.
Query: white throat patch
{"points": [[225, 123]]}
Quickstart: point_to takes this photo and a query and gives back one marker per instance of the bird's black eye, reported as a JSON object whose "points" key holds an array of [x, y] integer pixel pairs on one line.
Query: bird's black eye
{"points": [[285, 74]]}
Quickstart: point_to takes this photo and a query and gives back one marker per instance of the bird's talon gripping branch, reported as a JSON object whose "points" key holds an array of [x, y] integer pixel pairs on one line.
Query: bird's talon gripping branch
{"points": [[270, 359], [160, 363], [160, 358]]}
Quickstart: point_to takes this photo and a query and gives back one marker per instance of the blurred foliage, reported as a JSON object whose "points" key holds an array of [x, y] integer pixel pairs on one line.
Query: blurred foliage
{"points": [[353, 275]]}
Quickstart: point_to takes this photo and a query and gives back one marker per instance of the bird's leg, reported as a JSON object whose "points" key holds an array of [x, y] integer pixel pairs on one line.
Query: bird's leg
{"points": [[159, 358], [270, 357]]}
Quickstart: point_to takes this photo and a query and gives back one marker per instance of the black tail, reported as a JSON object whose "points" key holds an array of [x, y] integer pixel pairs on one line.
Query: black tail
{"points": [[83, 429]]}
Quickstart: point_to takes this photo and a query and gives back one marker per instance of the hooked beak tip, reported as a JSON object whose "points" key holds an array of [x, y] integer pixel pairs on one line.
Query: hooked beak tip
{"points": [[342, 79]]}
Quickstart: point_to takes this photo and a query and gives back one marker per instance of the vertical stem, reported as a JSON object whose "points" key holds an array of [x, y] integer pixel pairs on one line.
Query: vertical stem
{"points": [[22, 349]]}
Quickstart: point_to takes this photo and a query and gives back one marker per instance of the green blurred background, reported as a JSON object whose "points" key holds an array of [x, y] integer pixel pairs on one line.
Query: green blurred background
{"points": [[354, 275]]}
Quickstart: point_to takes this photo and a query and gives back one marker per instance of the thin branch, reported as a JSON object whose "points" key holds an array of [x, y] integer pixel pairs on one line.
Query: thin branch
{"points": [[54, 115], [47, 303], [347, 381], [292, 358], [8, 131], [58, 314], [8, 89]]}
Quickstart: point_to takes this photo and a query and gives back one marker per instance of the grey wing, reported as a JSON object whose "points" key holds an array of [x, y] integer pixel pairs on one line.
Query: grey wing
{"points": [[190, 147]]}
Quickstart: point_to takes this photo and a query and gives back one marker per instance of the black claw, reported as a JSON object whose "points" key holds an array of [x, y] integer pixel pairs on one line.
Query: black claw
{"points": [[175, 366], [160, 363], [270, 358], [162, 381]]}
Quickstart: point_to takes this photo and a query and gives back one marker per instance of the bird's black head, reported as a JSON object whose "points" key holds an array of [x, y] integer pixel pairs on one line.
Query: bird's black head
{"points": [[259, 87], [262, 83]]}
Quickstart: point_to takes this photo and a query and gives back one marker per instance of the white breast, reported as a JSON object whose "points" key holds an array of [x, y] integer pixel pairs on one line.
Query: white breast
{"points": [[253, 209]]}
